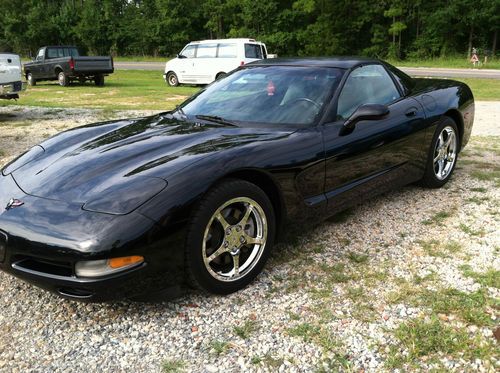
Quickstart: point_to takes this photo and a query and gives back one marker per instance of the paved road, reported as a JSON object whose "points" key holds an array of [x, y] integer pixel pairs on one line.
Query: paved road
{"points": [[413, 71]]}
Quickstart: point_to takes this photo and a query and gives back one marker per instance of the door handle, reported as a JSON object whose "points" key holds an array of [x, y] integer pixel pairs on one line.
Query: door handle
{"points": [[411, 112]]}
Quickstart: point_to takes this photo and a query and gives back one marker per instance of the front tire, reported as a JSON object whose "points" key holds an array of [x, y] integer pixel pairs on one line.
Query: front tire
{"points": [[172, 79], [442, 156], [230, 236]]}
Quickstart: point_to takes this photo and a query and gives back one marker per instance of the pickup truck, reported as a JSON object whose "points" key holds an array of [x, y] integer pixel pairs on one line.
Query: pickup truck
{"points": [[65, 64], [11, 83]]}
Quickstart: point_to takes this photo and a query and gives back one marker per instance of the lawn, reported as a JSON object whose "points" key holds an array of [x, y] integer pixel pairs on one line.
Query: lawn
{"points": [[452, 63], [146, 90], [484, 89], [125, 89]]}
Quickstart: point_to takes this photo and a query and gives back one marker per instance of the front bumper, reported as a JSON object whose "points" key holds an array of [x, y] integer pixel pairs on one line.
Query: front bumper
{"points": [[42, 240], [12, 88]]}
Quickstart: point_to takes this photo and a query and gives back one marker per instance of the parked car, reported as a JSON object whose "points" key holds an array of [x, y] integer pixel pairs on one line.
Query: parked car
{"points": [[11, 83], [65, 64], [199, 195], [202, 62]]}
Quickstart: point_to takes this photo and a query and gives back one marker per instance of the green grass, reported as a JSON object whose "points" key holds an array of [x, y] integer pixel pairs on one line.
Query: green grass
{"points": [[146, 90], [483, 89], [433, 339], [470, 307], [306, 331], [173, 366], [316, 334], [455, 63], [439, 217], [471, 231], [219, 347], [245, 331], [432, 248], [357, 258], [125, 89], [489, 278]]}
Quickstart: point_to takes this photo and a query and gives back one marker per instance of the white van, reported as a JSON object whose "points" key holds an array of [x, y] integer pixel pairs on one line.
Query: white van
{"points": [[202, 62], [10, 76]]}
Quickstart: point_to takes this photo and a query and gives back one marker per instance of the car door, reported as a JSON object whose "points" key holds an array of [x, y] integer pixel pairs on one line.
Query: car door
{"points": [[36, 67], [48, 70], [185, 64], [377, 154]]}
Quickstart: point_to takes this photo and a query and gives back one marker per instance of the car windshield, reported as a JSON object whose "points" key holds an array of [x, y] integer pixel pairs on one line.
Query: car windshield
{"points": [[267, 95]]}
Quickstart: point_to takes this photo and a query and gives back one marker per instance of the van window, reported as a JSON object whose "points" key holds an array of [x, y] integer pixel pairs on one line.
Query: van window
{"points": [[189, 51], [206, 51], [253, 51], [227, 51]]}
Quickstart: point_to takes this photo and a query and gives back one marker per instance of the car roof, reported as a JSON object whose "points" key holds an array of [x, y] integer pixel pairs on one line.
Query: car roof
{"points": [[339, 62]]}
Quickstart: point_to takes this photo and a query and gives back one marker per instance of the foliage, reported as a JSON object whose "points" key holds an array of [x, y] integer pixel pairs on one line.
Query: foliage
{"points": [[382, 28]]}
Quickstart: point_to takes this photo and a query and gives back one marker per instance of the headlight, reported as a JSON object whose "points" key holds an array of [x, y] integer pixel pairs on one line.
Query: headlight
{"points": [[125, 197], [99, 268], [24, 159]]}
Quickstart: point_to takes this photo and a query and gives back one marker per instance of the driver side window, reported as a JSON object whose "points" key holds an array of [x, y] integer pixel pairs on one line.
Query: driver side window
{"points": [[39, 56], [189, 51], [370, 84]]}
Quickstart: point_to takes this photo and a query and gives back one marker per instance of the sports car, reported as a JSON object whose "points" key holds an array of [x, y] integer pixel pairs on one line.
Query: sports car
{"points": [[197, 196]]}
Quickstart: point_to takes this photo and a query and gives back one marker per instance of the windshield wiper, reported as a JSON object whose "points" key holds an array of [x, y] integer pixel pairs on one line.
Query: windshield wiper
{"points": [[178, 108], [216, 119]]}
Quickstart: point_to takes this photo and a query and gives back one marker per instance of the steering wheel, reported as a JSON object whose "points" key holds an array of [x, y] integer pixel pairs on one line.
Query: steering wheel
{"points": [[305, 99]]}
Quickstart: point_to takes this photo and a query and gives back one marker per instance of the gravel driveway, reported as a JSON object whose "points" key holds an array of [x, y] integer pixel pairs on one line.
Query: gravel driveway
{"points": [[407, 281]]}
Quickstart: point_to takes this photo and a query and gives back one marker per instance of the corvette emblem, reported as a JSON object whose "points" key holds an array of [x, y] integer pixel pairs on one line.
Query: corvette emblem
{"points": [[13, 203]]}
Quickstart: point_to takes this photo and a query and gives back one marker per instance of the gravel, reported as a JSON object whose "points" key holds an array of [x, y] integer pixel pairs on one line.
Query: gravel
{"points": [[43, 333]]}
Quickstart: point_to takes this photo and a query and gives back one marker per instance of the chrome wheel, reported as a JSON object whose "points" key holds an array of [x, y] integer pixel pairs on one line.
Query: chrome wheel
{"points": [[234, 239], [445, 153]]}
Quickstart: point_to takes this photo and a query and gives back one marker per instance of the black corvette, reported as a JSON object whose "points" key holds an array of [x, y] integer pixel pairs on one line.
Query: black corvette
{"points": [[199, 195]]}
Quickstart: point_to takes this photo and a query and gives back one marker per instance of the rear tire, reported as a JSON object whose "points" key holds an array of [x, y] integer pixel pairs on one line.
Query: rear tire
{"points": [[63, 79], [229, 237], [172, 79], [442, 154], [31, 80], [99, 80]]}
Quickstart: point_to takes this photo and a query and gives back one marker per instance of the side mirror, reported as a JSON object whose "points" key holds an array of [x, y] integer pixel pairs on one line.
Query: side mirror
{"points": [[366, 112], [181, 56]]}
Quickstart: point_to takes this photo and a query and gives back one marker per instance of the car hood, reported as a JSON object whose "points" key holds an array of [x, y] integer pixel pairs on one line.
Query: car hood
{"points": [[80, 164]]}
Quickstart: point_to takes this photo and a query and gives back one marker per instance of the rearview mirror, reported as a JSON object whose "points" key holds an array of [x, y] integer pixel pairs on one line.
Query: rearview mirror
{"points": [[366, 112]]}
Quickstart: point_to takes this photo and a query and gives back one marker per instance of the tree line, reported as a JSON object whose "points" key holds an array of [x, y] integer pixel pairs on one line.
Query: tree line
{"points": [[379, 28]]}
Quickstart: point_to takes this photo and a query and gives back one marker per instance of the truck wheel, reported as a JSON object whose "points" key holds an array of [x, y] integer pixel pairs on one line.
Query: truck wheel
{"points": [[172, 79], [62, 79], [31, 80], [99, 80]]}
